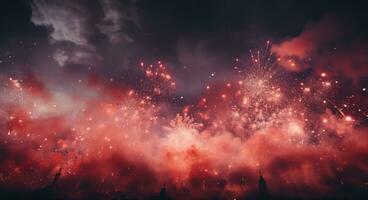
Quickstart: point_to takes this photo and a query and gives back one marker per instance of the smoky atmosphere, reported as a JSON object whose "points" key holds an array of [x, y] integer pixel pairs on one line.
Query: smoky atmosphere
{"points": [[183, 99]]}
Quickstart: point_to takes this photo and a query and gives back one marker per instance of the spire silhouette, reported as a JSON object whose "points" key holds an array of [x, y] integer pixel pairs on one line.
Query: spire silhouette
{"points": [[262, 188]]}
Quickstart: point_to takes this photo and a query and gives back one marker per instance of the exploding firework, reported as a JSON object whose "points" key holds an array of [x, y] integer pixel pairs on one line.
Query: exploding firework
{"points": [[160, 78]]}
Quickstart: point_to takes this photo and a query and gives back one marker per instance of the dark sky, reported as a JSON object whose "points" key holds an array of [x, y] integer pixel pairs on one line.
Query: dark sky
{"points": [[204, 36]]}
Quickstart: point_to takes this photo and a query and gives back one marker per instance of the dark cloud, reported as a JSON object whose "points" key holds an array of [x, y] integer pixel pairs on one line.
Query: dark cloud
{"points": [[114, 19], [75, 26]]}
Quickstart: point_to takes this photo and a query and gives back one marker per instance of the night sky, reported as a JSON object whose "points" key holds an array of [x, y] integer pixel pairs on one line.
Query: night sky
{"points": [[100, 98]]}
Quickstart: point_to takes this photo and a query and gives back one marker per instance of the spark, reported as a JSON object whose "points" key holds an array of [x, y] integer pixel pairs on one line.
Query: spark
{"points": [[16, 84]]}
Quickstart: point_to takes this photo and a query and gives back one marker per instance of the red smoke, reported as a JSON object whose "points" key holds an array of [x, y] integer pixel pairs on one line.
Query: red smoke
{"points": [[109, 139], [297, 52], [350, 60]]}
